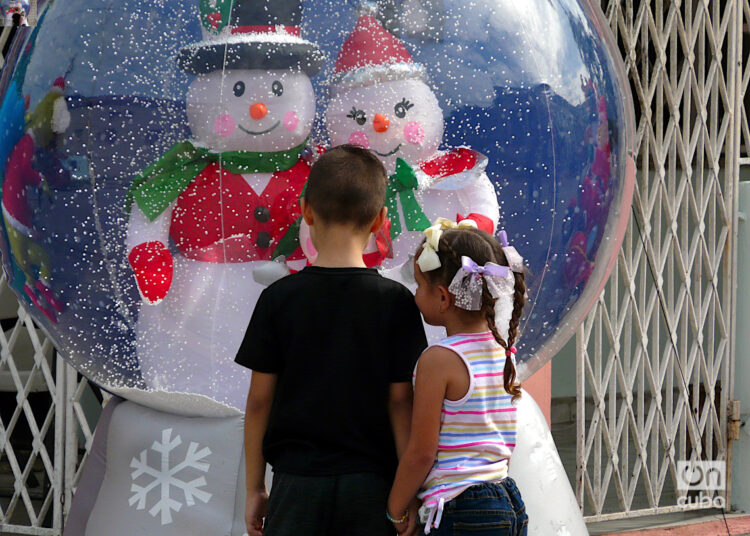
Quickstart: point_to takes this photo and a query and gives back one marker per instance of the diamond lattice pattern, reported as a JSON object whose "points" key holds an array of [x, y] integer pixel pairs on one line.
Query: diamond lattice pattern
{"points": [[30, 473], [654, 353]]}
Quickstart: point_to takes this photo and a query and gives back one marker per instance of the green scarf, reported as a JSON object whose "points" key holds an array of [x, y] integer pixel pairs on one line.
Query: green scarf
{"points": [[163, 181], [401, 185]]}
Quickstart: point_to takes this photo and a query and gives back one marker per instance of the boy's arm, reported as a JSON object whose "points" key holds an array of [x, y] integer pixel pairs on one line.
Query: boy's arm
{"points": [[399, 407], [259, 400], [409, 342]]}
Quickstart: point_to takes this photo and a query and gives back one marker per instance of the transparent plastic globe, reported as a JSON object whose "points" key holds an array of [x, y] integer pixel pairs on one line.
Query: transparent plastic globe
{"points": [[530, 96]]}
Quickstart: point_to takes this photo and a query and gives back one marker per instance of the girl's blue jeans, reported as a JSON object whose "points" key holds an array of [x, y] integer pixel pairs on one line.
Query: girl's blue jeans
{"points": [[489, 509]]}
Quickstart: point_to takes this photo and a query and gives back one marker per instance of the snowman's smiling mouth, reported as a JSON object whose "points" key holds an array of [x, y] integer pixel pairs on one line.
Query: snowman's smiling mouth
{"points": [[246, 131], [394, 151]]}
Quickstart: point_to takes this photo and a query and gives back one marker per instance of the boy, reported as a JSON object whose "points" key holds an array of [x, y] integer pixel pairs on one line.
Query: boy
{"points": [[332, 349]]}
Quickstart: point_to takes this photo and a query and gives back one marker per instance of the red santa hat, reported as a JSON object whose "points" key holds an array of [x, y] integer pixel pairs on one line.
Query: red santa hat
{"points": [[371, 55]]}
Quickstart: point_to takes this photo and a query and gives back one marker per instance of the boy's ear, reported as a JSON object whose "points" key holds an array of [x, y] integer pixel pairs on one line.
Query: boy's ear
{"points": [[307, 212], [379, 220]]}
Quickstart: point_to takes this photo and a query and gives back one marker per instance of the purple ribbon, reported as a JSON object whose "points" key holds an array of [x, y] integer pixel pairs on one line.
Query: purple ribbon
{"points": [[490, 268], [503, 237]]}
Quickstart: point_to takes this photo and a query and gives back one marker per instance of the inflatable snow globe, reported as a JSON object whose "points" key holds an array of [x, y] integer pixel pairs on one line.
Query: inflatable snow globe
{"points": [[152, 157]]}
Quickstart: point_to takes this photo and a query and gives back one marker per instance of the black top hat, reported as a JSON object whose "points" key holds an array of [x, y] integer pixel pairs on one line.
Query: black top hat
{"points": [[251, 34]]}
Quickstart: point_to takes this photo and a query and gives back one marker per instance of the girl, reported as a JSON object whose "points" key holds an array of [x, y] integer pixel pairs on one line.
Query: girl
{"points": [[464, 423]]}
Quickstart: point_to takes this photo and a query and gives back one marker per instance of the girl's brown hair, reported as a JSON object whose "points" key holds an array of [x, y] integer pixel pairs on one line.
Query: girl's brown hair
{"points": [[482, 248]]}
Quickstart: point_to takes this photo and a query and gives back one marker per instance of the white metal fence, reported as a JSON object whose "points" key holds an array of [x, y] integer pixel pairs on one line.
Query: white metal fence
{"points": [[655, 355], [44, 431], [31, 424]]}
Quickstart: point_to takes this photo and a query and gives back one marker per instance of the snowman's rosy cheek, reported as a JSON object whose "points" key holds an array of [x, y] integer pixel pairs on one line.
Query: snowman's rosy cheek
{"points": [[224, 125], [291, 121], [414, 133], [358, 137]]}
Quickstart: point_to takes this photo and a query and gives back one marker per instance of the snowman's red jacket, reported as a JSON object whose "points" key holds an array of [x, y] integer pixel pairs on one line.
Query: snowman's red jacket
{"points": [[220, 218]]}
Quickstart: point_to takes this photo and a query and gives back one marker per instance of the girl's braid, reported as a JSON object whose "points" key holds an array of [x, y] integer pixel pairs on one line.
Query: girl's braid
{"points": [[488, 303], [519, 300], [488, 310], [509, 371]]}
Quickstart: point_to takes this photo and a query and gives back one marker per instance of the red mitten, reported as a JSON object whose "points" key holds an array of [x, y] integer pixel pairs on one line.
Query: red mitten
{"points": [[456, 161], [152, 265]]}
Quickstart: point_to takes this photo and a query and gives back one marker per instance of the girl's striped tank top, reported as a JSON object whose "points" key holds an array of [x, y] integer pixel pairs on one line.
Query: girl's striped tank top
{"points": [[478, 432]]}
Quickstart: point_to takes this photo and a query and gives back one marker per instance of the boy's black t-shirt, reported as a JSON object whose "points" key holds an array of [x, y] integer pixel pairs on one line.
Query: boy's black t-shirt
{"points": [[337, 338]]}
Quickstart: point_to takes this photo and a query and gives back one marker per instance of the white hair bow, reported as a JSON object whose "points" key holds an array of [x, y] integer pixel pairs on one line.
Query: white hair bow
{"points": [[428, 260]]}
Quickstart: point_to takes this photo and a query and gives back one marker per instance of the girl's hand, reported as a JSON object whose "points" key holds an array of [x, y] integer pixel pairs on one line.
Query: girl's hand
{"points": [[412, 526], [409, 527], [401, 528]]}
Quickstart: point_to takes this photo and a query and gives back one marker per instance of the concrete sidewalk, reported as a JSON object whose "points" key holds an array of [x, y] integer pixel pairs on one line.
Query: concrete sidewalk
{"points": [[705, 525]]}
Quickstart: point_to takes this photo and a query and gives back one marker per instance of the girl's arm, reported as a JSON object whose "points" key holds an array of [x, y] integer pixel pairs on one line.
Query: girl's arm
{"points": [[419, 456]]}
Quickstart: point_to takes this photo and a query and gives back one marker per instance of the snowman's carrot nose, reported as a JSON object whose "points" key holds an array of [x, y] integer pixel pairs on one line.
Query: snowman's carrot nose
{"points": [[258, 111], [380, 123]]}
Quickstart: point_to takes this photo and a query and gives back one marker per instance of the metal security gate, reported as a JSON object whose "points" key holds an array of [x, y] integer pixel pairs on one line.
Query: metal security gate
{"points": [[31, 425], [44, 431], [655, 355]]}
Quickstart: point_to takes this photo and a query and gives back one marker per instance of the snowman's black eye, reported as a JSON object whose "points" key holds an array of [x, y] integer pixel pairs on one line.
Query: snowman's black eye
{"points": [[358, 115], [402, 107], [277, 88], [239, 89]]}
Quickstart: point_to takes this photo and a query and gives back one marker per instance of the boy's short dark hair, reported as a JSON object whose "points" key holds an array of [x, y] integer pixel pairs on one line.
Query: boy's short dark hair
{"points": [[347, 186]]}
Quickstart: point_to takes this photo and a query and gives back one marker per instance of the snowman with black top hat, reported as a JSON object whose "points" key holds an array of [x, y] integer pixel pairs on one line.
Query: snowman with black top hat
{"points": [[213, 211], [205, 219]]}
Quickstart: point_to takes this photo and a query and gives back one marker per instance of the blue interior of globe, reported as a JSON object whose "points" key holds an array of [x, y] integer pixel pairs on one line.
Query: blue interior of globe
{"points": [[531, 85]]}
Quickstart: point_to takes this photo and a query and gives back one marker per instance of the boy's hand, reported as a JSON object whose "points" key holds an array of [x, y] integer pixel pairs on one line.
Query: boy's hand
{"points": [[255, 511], [259, 400]]}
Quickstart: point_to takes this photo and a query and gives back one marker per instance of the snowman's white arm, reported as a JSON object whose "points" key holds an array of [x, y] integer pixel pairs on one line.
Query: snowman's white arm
{"points": [[480, 197], [141, 229]]}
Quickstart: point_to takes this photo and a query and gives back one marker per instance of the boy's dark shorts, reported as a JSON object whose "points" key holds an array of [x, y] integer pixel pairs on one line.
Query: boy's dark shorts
{"points": [[345, 505]]}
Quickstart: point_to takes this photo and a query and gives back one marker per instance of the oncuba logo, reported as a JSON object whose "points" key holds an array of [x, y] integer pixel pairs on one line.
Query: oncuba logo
{"points": [[704, 476]]}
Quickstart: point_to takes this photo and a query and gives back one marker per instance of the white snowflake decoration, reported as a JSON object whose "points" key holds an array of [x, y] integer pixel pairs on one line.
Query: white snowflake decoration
{"points": [[165, 477]]}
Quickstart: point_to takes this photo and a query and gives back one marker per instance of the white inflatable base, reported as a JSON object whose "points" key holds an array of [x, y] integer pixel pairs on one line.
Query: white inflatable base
{"points": [[536, 467], [178, 403], [103, 504]]}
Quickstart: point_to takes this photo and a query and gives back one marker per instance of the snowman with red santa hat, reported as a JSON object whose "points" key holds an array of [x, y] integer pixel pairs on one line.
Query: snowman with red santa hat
{"points": [[208, 217], [381, 101]]}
